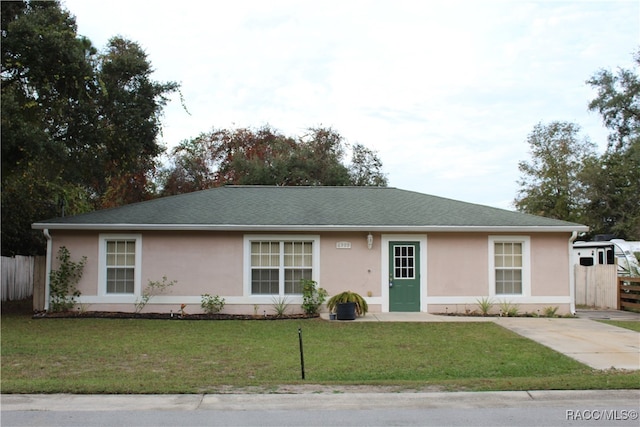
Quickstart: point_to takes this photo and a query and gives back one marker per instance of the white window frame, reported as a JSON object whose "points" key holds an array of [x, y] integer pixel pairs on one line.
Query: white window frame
{"points": [[315, 260], [102, 263], [525, 241]]}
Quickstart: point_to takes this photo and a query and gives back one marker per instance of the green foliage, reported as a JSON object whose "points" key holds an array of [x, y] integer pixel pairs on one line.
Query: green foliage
{"points": [[31, 195], [312, 296], [366, 168], [618, 102], [211, 304], [550, 311], [63, 281], [347, 296], [507, 309], [485, 304], [43, 356], [627, 324], [131, 105], [549, 184], [612, 186], [79, 127], [267, 157], [567, 180], [613, 179], [280, 306], [152, 289]]}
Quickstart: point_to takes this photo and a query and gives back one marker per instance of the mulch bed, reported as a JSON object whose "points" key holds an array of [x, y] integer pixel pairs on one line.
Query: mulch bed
{"points": [[475, 314], [165, 316]]}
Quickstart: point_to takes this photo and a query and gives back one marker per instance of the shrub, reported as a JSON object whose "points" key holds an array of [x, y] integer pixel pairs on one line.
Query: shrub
{"points": [[485, 304], [212, 304], [550, 311], [63, 281], [507, 309], [152, 289], [312, 296], [280, 306]]}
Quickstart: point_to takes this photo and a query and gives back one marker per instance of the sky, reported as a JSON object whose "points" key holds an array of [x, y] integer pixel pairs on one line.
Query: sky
{"points": [[446, 92]]}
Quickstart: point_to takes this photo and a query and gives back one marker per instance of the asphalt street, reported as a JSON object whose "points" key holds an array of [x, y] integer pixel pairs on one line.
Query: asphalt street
{"points": [[522, 408]]}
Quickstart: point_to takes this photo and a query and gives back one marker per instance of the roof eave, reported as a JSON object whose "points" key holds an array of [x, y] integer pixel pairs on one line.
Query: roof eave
{"points": [[277, 228]]}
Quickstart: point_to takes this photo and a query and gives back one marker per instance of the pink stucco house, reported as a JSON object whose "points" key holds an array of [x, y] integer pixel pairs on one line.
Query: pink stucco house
{"points": [[402, 250]]}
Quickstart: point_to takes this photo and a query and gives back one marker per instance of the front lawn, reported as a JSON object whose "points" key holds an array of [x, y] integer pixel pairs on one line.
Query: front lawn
{"points": [[634, 325], [179, 356]]}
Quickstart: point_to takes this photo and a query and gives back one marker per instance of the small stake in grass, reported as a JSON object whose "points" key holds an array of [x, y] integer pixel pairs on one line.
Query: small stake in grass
{"points": [[301, 352]]}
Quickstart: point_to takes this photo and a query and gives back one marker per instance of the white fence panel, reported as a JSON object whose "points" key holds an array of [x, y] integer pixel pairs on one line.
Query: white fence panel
{"points": [[596, 286], [17, 277]]}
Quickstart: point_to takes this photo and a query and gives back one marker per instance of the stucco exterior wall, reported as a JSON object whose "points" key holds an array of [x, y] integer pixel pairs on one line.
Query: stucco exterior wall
{"points": [[356, 269], [550, 265], [457, 264], [200, 262], [454, 276]]}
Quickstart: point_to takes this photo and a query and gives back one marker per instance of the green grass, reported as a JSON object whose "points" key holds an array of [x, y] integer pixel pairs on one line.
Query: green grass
{"points": [[634, 325], [165, 356]]}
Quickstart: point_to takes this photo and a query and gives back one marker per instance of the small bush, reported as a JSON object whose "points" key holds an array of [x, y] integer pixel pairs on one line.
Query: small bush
{"points": [[312, 296], [63, 281], [152, 289], [508, 309], [280, 306], [550, 311], [211, 304], [485, 304]]}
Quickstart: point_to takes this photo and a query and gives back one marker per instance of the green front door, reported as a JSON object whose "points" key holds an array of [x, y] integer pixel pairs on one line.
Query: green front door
{"points": [[404, 276]]}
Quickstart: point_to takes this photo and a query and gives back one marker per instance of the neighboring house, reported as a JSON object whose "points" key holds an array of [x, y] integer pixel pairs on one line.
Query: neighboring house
{"points": [[402, 250]]}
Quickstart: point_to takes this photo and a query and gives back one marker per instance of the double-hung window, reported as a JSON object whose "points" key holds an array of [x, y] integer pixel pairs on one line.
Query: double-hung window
{"points": [[509, 272], [276, 266], [120, 264]]}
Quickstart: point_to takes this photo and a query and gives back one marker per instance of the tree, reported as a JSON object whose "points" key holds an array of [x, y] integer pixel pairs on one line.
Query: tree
{"points": [[613, 180], [366, 168], [45, 74], [549, 184], [618, 102], [612, 184], [267, 157], [129, 110], [78, 129]]}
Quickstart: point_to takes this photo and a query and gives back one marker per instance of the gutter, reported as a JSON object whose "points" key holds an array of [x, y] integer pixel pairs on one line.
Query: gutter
{"points": [[572, 278], [307, 228], [47, 279]]}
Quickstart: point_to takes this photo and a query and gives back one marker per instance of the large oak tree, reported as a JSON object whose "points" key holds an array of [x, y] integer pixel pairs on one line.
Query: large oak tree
{"points": [[79, 126]]}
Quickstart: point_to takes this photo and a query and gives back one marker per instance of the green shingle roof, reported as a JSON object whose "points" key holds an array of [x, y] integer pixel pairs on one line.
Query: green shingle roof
{"points": [[296, 208]]}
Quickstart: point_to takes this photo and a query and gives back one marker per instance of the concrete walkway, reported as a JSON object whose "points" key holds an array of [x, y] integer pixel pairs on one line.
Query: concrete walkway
{"points": [[584, 339]]}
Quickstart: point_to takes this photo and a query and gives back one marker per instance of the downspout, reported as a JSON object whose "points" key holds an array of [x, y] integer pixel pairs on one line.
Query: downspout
{"points": [[47, 279], [572, 279]]}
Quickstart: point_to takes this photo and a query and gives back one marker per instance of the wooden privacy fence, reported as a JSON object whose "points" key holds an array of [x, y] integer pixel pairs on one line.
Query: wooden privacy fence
{"points": [[596, 285], [21, 275], [629, 293]]}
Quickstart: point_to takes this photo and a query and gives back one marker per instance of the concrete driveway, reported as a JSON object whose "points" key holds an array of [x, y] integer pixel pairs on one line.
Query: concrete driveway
{"points": [[593, 343], [584, 339]]}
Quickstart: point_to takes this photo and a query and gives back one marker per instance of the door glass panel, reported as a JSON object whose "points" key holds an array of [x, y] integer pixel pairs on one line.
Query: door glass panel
{"points": [[403, 262]]}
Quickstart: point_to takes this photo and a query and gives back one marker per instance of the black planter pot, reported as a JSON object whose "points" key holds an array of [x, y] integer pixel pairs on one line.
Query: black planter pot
{"points": [[346, 311]]}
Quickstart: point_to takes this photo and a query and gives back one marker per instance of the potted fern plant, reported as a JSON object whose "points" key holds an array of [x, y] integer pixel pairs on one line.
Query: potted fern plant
{"points": [[347, 305]]}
